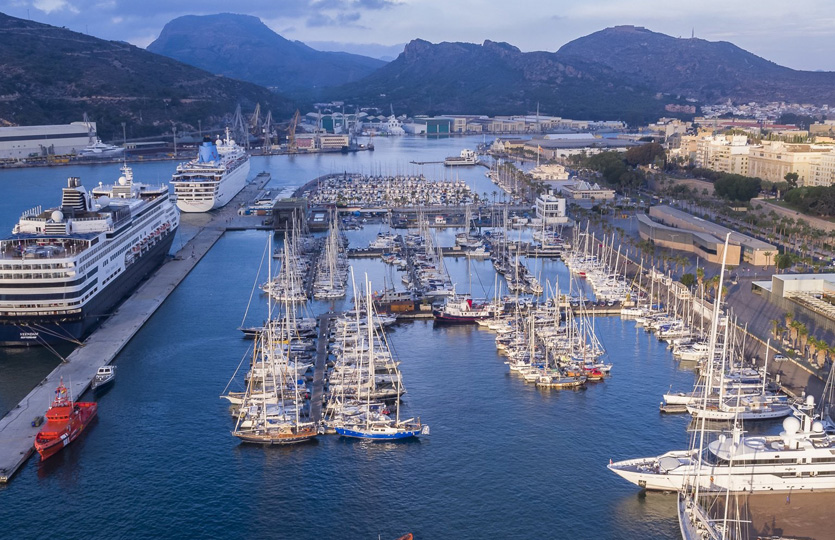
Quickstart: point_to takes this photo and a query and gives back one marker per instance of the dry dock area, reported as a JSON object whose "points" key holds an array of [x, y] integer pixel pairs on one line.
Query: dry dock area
{"points": [[197, 236]]}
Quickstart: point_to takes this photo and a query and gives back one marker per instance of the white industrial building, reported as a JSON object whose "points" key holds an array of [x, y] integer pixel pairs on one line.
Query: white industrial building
{"points": [[20, 142]]}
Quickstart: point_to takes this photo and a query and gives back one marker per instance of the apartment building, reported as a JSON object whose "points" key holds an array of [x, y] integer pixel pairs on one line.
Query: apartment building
{"points": [[773, 160]]}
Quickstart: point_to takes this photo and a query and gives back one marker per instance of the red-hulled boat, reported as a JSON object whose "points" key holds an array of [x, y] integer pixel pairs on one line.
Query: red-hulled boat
{"points": [[65, 420], [462, 310]]}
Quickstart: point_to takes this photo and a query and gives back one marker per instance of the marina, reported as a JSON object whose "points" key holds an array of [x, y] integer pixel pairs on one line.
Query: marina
{"points": [[453, 373]]}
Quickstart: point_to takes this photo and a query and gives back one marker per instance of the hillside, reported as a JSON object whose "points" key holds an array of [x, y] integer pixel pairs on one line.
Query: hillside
{"points": [[696, 68], [625, 72], [51, 75], [242, 47], [497, 78]]}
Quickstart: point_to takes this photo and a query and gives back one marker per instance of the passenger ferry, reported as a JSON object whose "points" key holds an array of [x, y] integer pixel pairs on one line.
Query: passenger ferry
{"points": [[466, 158], [209, 181], [62, 270]]}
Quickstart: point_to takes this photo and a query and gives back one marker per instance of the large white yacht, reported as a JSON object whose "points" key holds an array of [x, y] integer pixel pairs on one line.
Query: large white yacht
{"points": [[802, 457], [62, 270], [209, 181], [100, 150]]}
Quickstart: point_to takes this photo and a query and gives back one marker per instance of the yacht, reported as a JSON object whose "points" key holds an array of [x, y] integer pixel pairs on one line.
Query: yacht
{"points": [[209, 181], [462, 310], [100, 150], [63, 270], [799, 458]]}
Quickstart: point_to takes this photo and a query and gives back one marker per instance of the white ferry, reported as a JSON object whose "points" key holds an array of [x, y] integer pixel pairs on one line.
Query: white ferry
{"points": [[466, 158], [209, 181], [62, 270]]}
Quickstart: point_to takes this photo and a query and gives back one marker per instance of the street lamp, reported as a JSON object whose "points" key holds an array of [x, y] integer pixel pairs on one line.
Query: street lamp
{"points": [[200, 128], [124, 138]]}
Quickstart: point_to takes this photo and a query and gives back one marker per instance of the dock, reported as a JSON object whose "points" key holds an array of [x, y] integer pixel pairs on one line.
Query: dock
{"points": [[317, 395], [199, 233]]}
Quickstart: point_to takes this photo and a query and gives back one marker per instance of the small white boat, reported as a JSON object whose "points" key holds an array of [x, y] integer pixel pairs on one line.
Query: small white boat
{"points": [[104, 378]]}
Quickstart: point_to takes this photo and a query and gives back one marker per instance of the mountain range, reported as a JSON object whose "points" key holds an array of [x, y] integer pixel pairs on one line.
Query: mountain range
{"points": [[54, 75], [624, 72], [497, 78], [243, 47], [707, 71], [51, 75]]}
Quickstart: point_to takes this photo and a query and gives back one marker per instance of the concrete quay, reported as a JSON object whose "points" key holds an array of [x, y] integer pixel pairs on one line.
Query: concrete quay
{"points": [[318, 392], [197, 234]]}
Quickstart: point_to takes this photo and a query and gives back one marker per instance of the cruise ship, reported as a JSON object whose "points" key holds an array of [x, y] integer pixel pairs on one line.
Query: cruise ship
{"points": [[209, 181], [62, 270]]}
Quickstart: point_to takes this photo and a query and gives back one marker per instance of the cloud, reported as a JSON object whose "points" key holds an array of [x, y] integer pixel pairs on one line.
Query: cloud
{"points": [[375, 4], [49, 6], [320, 19]]}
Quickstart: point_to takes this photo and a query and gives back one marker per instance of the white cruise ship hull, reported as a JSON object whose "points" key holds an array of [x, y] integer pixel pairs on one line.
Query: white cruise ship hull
{"points": [[229, 186]]}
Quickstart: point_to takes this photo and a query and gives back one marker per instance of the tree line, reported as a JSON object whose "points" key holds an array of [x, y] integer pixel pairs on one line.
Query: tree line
{"points": [[815, 200], [621, 169]]}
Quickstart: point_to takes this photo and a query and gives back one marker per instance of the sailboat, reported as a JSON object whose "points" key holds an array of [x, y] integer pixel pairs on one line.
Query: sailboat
{"points": [[270, 411], [378, 427]]}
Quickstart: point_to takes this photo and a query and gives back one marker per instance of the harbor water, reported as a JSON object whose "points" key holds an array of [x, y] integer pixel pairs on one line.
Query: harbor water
{"points": [[504, 459]]}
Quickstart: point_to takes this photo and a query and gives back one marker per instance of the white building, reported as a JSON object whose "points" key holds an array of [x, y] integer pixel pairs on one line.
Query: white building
{"points": [[549, 172], [725, 153], [550, 209], [21, 142], [582, 190]]}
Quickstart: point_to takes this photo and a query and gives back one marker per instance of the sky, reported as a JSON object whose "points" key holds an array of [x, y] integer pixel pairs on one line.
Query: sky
{"points": [[798, 34]]}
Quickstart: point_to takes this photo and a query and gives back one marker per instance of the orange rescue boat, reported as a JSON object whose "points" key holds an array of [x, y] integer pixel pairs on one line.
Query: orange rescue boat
{"points": [[65, 420]]}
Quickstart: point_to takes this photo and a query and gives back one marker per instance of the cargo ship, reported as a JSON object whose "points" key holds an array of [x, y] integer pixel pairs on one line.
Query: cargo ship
{"points": [[209, 181], [64, 269], [65, 420]]}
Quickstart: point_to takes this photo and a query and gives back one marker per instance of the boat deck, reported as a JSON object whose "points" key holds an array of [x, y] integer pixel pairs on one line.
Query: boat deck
{"points": [[16, 432]]}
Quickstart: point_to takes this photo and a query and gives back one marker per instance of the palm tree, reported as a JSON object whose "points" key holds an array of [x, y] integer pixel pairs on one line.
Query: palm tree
{"points": [[812, 343], [775, 328], [794, 329], [803, 334]]}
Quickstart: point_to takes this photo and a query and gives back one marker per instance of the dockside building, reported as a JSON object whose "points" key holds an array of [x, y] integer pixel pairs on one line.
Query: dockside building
{"points": [[21, 142]]}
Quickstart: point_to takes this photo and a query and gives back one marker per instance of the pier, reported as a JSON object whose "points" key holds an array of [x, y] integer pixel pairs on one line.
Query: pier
{"points": [[199, 232], [317, 395]]}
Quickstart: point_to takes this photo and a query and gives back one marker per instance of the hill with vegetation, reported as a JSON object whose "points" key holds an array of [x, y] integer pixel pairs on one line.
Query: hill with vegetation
{"points": [[51, 75], [625, 72], [497, 78], [695, 68], [243, 47]]}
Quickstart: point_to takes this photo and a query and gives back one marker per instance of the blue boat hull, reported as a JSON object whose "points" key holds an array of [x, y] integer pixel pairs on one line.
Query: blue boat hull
{"points": [[378, 436]]}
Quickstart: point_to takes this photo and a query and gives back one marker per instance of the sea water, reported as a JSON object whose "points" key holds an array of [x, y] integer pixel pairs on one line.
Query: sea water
{"points": [[504, 459]]}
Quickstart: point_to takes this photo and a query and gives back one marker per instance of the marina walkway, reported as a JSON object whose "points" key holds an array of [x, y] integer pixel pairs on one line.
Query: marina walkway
{"points": [[197, 235], [316, 397]]}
